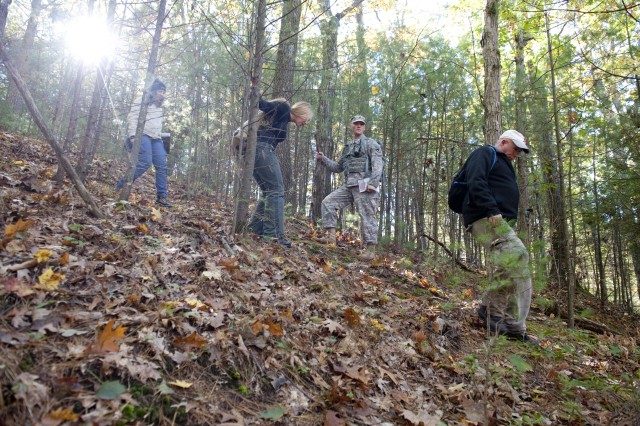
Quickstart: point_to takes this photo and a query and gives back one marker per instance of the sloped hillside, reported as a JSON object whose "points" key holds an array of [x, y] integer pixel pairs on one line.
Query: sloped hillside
{"points": [[162, 317]]}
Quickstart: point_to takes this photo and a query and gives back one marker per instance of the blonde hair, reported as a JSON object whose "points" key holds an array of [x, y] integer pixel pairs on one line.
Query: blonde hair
{"points": [[302, 110]]}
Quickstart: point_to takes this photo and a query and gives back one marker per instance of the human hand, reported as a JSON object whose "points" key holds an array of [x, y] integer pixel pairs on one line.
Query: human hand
{"points": [[319, 155], [371, 188], [495, 220]]}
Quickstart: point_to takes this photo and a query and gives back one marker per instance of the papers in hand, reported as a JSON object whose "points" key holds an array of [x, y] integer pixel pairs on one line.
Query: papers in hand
{"points": [[363, 184]]}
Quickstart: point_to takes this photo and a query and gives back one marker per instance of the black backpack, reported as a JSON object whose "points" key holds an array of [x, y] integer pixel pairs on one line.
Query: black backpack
{"points": [[459, 188]]}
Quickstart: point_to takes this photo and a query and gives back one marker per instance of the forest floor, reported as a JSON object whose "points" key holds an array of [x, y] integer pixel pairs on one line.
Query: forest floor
{"points": [[163, 317]]}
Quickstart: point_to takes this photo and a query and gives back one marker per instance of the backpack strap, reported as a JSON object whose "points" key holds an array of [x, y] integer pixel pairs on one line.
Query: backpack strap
{"points": [[493, 162]]}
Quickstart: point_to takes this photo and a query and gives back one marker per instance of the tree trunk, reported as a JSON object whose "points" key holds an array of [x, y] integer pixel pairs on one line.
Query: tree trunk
{"points": [[244, 192], [520, 107], [22, 54], [566, 272], [491, 54], [4, 12], [283, 85], [151, 68], [73, 120]]}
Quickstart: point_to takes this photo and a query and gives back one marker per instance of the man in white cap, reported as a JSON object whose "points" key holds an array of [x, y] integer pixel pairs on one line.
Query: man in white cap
{"points": [[362, 163], [489, 207]]}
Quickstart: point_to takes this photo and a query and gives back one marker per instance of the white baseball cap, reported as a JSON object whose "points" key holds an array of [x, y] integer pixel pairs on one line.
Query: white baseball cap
{"points": [[517, 138]]}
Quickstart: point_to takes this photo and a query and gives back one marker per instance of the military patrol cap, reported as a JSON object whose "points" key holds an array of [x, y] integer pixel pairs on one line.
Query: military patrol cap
{"points": [[358, 118]]}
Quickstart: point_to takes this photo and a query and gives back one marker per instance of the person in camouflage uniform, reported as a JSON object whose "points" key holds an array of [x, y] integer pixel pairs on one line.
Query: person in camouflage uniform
{"points": [[362, 163]]}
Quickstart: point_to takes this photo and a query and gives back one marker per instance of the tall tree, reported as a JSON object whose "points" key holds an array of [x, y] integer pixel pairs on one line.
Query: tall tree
{"points": [[559, 220], [326, 96], [23, 53], [151, 68], [491, 100], [283, 85], [244, 192]]}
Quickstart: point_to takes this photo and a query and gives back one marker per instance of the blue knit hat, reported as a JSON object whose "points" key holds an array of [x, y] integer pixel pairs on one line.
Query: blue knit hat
{"points": [[157, 85]]}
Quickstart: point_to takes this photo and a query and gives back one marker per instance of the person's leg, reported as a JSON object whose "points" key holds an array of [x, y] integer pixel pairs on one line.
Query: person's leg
{"points": [[268, 175], [144, 161], [508, 298], [367, 204], [256, 223], [333, 202], [159, 159]]}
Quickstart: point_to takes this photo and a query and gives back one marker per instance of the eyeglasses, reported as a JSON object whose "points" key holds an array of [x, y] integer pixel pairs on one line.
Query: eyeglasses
{"points": [[519, 151]]}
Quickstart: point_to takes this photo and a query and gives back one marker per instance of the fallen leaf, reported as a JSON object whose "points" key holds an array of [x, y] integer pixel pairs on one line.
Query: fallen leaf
{"points": [[181, 384], [190, 342], [64, 259], [19, 287], [164, 389], [64, 415], [273, 413], [352, 318], [214, 274], [332, 326], [474, 411], [29, 390], [15, 228], [357, 373], [42, 255], [109, 339], [331, 419], [49, 280], [110, 390], [229, 264], [194, 303]]}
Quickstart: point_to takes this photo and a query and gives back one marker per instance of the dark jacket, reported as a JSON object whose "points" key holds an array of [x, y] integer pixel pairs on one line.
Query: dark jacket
{"points": [[490, 191], [278, 114]]}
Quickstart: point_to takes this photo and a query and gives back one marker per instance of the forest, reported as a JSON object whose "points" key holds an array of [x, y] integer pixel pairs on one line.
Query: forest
{"points": [[116, 311]]}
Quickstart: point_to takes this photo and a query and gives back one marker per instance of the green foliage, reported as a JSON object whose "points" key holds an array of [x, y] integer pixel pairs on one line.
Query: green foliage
{"points": [[110, 390], [520, 364]]}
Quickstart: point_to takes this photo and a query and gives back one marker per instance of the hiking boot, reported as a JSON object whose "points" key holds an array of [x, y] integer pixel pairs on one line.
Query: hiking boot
{"points": [[521, 336], [163, 202], [284, 242], [496, 324]]}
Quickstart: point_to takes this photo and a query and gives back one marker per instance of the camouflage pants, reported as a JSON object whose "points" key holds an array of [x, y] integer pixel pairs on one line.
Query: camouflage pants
{"points": [[509, 293], [366, 202]]}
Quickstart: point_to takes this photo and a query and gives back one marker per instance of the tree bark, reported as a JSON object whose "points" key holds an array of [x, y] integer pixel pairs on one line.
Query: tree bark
{"points": [[492, 126]]}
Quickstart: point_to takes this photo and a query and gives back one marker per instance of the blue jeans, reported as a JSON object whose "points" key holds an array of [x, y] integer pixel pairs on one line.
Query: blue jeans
{"points": [[151, 152], [268, 217]]}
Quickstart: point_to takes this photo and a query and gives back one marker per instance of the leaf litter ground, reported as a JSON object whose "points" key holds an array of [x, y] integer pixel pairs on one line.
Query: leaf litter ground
{"points": [[162, 317]]}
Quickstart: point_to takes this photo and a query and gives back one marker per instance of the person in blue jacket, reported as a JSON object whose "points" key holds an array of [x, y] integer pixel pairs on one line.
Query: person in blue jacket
{"points": [[267, 219], [491, 205]]}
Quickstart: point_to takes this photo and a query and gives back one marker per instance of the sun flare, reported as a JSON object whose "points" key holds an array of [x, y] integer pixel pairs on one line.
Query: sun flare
{"points": [[89, 39]]}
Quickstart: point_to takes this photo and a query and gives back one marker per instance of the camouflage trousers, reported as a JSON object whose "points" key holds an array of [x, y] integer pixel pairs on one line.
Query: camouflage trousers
{"points": [[508, 295], [366, 202]]}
